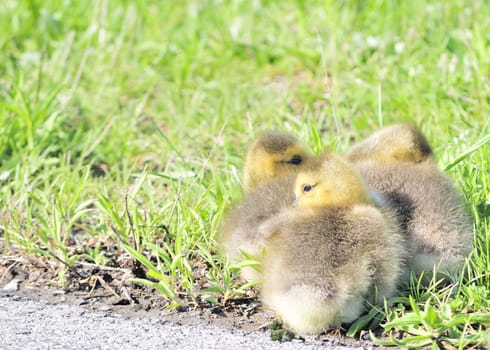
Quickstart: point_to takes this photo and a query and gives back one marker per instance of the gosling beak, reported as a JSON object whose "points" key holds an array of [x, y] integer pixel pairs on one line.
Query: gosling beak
{"points": [[296, 202]]}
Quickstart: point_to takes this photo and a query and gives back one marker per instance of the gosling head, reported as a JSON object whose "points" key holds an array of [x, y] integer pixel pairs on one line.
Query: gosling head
{"points": [[394, 143], [273, 154], [330, 181]]}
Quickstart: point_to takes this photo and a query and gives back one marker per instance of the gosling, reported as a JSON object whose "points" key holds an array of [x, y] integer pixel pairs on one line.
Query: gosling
{"points": [[328, 253], [398, 163], [270, 166]]}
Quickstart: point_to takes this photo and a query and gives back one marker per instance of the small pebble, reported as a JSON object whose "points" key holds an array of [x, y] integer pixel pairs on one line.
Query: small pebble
{"points": [[34, 276], [12, 286], [105, 308], [81, 301]]}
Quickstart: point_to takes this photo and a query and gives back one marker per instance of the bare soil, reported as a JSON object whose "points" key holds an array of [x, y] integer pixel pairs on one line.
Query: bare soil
{"points": [[107, 289]]}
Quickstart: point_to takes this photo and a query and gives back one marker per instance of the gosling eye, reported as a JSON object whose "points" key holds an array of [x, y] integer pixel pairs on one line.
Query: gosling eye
{"points": [[295, 160], [307, 188]]}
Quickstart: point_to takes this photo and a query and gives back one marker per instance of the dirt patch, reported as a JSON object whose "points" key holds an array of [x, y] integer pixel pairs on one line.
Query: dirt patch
{"points": [[106, 289]]}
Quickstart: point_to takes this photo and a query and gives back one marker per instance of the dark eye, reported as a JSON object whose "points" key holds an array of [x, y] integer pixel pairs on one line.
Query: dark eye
{"points": [[295, 160], [307, 188]]}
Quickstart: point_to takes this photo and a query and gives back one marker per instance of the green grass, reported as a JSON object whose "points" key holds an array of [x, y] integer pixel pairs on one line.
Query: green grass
{"points": [[123, 126]]}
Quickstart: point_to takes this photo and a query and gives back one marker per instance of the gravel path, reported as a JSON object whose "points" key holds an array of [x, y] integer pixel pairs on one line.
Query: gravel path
{"points": [[28, 324]]}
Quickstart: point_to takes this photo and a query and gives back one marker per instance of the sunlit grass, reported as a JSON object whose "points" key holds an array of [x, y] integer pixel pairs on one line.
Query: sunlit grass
{"points": [[123, 126]]}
